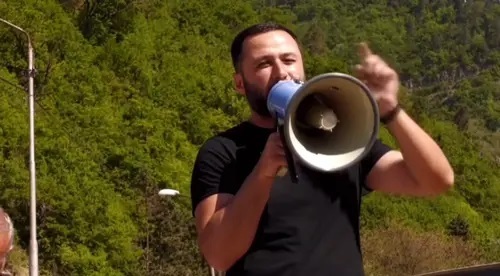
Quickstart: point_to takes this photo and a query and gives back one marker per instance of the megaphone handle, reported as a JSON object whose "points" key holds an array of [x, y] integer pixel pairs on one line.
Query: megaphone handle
{"points": [[288, 155]]}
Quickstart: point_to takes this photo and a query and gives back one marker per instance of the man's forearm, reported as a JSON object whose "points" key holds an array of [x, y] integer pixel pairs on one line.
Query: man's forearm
{"points": [[424, 158], [231, 230]]}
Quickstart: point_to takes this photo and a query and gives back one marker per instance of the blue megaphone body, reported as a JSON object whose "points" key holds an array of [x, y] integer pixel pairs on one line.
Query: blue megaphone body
{"points": [[280, 96], [328, 122]]}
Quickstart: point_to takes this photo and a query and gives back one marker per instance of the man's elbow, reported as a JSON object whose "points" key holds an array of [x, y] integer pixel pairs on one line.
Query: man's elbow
{"points": [[447, 179], [450, 179], [218, 261], [443, 183], [215, 256]]}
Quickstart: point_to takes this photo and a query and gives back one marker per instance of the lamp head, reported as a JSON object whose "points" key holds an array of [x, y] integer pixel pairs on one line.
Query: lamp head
{"points": [[168, 192]]}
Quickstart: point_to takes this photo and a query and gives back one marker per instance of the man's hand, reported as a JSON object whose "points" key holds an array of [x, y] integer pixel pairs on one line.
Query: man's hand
{"points": [[420, 167], [381, 79], [272, 158]]}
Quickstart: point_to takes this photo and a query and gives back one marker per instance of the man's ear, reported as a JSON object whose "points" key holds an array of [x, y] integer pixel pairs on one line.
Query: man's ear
{"points": [[238, 83]]}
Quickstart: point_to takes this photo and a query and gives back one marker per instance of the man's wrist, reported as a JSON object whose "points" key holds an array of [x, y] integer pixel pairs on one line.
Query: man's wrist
{"points": [[388, 117]]}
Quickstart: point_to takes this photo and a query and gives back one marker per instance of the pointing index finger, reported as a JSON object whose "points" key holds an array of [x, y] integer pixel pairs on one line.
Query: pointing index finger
{"points": [[364, 50]]}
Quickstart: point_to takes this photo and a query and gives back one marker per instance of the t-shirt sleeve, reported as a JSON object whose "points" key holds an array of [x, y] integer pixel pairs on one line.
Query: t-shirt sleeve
{"points": [[212, 172], [378, 150]]}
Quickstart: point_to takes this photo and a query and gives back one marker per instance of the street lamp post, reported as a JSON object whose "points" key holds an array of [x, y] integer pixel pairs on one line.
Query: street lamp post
{"points": [[33, 251], [168, 193], [172, 193]]}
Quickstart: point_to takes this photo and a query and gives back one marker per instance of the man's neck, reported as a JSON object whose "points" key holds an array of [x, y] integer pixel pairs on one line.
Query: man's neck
{"points": [[263, 122]]}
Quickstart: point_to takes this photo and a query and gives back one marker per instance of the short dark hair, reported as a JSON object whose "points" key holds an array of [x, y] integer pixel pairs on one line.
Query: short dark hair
{"points": [[237, 45]]}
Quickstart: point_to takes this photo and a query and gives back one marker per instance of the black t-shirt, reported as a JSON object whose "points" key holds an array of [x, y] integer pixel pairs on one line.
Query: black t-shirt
{"points": [[307, 228]]}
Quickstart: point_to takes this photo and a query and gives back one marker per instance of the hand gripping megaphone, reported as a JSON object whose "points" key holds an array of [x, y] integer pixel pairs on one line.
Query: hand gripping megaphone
{"points": [[328, 122]]}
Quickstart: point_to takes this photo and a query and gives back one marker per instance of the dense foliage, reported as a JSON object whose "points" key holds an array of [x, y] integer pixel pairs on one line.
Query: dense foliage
{"points": [[127, 90]]}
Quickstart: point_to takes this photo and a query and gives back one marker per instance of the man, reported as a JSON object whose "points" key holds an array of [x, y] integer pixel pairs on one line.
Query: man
{"points": [[251, 222]]}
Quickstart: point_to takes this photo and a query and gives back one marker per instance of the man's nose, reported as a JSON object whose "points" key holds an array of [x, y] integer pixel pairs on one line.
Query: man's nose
{"points": [[282, 72]]}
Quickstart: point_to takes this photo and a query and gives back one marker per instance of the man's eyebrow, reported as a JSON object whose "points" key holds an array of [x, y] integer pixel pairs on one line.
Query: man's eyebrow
{"points": [[288, 54], [264, 57]]}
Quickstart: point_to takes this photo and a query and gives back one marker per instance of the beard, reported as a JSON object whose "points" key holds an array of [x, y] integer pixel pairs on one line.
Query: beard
{"points": [[257, 99]]}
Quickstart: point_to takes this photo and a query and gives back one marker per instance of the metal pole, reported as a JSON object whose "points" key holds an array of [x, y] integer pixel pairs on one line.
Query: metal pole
{"points": [[33, 251]]}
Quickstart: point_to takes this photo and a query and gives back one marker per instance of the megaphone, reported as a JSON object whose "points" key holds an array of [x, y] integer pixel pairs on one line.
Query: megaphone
{"points": [[328, 122]]}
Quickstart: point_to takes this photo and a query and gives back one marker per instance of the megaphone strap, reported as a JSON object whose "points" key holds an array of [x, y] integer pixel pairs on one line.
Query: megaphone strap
{"points": [[391, 115]]}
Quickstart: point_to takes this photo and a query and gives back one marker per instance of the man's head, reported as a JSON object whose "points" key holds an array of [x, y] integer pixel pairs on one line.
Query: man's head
{"points": [[262, 55]]}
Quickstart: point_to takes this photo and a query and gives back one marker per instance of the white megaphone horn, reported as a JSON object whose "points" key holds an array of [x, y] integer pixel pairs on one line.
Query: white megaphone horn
{"points": [[328, 122]]}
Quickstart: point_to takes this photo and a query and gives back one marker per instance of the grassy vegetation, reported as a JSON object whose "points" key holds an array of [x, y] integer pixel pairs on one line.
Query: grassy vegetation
{"points": [[127, 90]]}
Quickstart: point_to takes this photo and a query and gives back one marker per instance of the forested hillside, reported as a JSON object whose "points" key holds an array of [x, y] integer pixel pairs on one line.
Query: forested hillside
{"points": [[127, 90]]}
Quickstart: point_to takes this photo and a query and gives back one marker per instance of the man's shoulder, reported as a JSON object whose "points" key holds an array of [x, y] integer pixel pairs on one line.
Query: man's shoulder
{"points": [[231, 135], [216, 168], [226, 141]]}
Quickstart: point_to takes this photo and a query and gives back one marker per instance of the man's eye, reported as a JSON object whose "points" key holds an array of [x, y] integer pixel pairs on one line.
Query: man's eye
{"points": [[263, 64]]}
